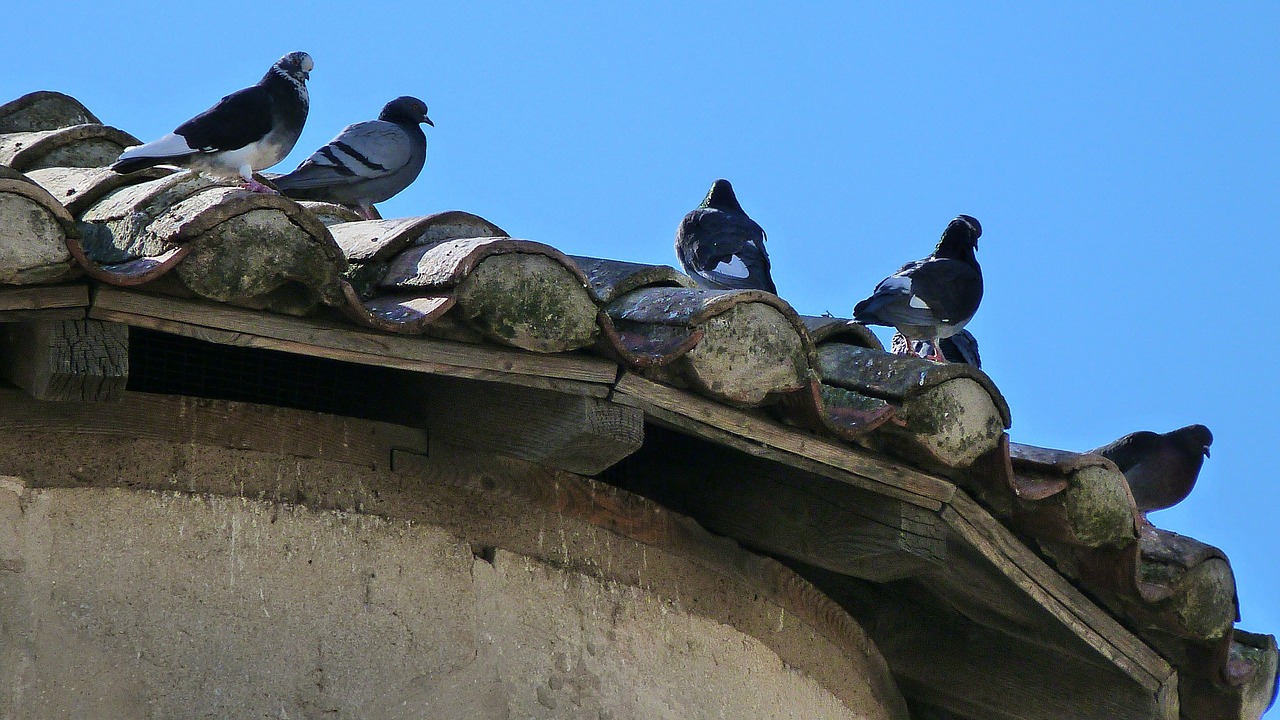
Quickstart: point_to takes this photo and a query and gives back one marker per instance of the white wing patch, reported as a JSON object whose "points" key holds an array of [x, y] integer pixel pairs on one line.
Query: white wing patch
{"points": [[171, 145], [916, 302], [897, 283], [734, 268]]}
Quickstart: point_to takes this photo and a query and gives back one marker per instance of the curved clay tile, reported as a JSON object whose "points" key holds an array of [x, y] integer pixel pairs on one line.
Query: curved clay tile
{"points": [[79, 187], [43, 110], [402, 314], [381, 240], [513, 292], [833, 329], [1186, 586], [34, 228], [1077, 498], [754, 347], [952, 414], [844, 413], [224, 243], [610, 279], [90, 145], [330, 214], [371, 245]]}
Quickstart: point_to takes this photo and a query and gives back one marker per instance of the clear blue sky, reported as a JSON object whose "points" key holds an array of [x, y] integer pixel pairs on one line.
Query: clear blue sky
{"points": [[1122, 160]]}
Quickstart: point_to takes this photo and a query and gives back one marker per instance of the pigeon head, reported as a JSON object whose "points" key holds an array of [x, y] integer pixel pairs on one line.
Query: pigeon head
{"points": [[721, 197], [960, 238], [406, 109], [297, 65], [1194, 439]]}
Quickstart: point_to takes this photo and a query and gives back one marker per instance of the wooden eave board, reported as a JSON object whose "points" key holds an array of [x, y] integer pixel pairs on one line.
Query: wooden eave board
{"points": [[43, 297], [1052, 591], [227, 325], [857, 468]]}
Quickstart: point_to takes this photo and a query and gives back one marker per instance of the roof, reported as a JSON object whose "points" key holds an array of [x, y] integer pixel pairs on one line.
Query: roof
{"points": [[452, 294]]}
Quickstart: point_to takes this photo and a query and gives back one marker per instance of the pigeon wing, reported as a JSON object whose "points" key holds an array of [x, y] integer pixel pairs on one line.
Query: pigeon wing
{"points": [[950, 289], [241, 118], [363, 151], [893, 302], [1130, 449]]}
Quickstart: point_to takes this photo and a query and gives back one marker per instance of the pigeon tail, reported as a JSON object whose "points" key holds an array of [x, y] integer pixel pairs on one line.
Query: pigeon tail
{"points": [[867, 312], [124, 166]]}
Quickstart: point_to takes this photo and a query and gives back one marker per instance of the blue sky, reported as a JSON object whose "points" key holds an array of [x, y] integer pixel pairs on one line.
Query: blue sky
{"points": [[1122, 161]]}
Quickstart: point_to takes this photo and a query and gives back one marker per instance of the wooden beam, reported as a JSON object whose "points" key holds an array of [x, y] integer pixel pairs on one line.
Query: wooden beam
{"points": [[228, 325], [580, 434], [216, 423], [977, 672], [44, 297], [66, 359], [957, 667], [1056, 595], [713, 420], [784, 511]]}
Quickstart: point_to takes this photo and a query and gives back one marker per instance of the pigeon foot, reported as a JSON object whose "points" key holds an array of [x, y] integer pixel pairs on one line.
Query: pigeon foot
{"points": [[936, 355], [254, 186]]}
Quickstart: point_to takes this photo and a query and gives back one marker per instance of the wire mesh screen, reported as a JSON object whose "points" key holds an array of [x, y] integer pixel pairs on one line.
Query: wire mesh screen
{"points": [[176, 365]]}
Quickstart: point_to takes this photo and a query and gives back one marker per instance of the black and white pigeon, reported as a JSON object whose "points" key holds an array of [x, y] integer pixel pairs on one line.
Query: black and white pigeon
{"points": [[932, 298], [1161, 469], [367, 162], [720, 247], [248, 130], [959, 348]]}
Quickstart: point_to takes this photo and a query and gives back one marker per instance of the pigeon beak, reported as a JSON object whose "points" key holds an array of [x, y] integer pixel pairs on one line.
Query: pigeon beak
{"points": [[427, 120], [1206, 450]]}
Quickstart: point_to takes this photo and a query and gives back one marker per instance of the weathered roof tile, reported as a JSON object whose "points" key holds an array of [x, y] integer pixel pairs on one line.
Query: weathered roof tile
{"points": [[43, 110], [90, 145], [34, 228]]}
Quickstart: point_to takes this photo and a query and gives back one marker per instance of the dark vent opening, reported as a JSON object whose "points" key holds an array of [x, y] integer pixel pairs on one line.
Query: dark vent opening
{"points": [[175, 365]]}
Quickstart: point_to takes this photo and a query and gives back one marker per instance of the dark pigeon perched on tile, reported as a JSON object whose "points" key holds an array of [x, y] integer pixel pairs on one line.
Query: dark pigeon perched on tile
{"points": [[932, 298], [959, 348], [1161, 469], [367, 162], [720, 247], [248, 130]]}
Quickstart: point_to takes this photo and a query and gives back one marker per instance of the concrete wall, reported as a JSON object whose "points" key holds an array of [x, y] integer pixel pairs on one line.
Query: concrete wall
{"points": [[135, 602]]}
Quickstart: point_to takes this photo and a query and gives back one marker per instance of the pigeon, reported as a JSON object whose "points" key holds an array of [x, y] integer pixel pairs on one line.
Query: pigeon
{"points": [[248, 130], [932, 298], [959, 348], [1160, 469], [720, 247], [367, 162]]}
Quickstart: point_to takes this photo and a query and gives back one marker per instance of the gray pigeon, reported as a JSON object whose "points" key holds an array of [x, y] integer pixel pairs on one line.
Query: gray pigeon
{"points": [[248, 130], [720, 247], [932, 298], [1161, 469], [367, 162]]}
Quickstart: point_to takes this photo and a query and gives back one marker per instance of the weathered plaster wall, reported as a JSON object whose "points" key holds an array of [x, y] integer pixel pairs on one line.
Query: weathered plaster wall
{"points": [[133, 603]]}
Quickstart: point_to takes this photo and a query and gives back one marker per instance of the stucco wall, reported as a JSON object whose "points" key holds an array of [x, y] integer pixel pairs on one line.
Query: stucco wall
{"points": [[460, 591]]}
